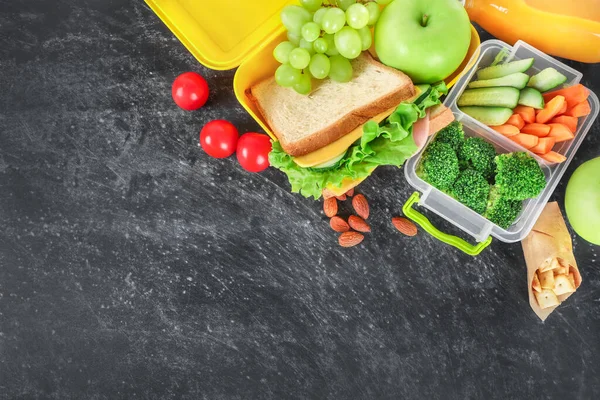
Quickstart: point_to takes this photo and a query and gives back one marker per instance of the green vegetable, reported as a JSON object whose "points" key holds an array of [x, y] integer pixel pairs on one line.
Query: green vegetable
{"points": [[500, 210], [439, 165], [453, 135], [479, 155], [471, 189], [518, 176], [390, 143]]}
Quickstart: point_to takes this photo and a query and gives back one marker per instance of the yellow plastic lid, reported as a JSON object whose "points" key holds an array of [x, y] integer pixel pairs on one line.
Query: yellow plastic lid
{"points": [[221, 33]]}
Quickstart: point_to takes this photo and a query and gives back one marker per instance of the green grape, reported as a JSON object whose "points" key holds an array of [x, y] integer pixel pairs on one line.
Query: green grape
{"points": [[348, 43], [331, 50], [282, 52], [299, 58], [318, 17], [311, 5], [311, 31], [319, 66], [340, 70], [333, 20], [320, 45], [344, 4], [294, 38], [294, 17], [365, 37], [287, 76], [374, 12], [357, 16], [304, 85], [383, 2], [308, 46]]}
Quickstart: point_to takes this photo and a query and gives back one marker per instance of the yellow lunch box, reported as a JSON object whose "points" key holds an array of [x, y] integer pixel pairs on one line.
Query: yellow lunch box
{"points": [[226, 34]]}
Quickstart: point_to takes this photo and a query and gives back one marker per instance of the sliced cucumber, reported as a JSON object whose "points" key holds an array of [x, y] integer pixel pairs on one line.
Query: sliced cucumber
{"points": [[492, 116], [500, 70], [425, 89], [490, 97], [547, 79], [331, 164], [517, 80], [531, 98]]}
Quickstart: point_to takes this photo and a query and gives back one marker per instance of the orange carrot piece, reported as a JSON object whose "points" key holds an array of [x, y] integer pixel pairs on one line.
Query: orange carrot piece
{"points": [[560, 132], [527, 113], [553, 157], [573, 95], [563, 109], [516, 120], [579, 110], [544, 145], [551, 110], [525, 140], [570, 122], [539, 130], [506, 130]]}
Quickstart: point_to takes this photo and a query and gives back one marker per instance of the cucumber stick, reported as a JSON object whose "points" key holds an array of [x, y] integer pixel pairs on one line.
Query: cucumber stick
{"points": [[531, 98], [547, 79], [490, 97], [517, 80], [492, 116], [500, 70]]}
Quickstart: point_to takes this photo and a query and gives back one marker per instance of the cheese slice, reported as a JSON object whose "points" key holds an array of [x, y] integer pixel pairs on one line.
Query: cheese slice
{"points": [[336, 148], [347, 184]]}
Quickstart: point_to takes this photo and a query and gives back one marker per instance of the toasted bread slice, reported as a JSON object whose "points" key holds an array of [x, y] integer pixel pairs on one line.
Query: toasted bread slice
{"points": [[304, 124]]}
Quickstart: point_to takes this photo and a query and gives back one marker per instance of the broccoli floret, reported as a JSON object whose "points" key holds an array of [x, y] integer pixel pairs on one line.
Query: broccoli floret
{"points": [[453, 135], [479, 155], [472, 190], [500, 210], [518, 176], [439, 165]]}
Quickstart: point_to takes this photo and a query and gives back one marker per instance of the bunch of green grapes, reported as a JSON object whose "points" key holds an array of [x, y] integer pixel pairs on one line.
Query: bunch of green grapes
{"points": [[323, 36]]}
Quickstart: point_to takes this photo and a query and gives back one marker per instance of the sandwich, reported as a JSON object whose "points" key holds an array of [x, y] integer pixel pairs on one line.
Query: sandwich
{"points": [[334, 138]]}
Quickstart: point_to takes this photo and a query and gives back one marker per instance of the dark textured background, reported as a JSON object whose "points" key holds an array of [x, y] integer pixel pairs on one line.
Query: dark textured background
{"points": [[134, 266]]}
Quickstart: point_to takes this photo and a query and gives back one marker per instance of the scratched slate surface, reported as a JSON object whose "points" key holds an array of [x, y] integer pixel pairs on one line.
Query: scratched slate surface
{"points": [[133, 266]]}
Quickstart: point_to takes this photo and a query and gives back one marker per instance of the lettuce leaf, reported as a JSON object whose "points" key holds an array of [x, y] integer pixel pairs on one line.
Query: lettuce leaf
{"points": [[388, 143]]}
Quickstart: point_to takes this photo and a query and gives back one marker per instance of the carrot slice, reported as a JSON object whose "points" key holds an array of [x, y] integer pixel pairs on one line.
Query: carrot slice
{"points": [[506, 130], [570, 122], [516, 120], [573, 95], [563, 109], [527, 113], [551, 110], [579, 110], [525, 140], [553, 157], [539, 130], [560, 132], [544, 145]]}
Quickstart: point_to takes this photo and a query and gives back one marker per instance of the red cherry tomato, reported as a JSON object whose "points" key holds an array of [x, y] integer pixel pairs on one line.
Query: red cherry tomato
{"points": [[219, 138], [190, 91], [253, 151]]}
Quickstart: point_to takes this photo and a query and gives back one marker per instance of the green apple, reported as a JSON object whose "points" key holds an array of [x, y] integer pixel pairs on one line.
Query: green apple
{"points": [[582, 201], [425, 39]]}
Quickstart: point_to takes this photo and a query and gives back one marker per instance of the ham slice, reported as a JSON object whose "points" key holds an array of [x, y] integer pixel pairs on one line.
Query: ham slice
{"points": [[421, 131]]}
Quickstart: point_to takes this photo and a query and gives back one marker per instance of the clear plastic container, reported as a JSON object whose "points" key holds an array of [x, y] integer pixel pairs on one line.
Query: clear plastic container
{"points": [[461, 216]]}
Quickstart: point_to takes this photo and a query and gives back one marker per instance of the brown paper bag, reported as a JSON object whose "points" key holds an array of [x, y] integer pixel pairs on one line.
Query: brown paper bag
{"points": [[548, 240]]}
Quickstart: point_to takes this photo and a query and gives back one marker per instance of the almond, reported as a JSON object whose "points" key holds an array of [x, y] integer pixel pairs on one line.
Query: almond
{"points": [[341, 198], [338, 224], [351, 238], [359, 202], [358, 224], [330, 207], [405, 226], [350, 192]]}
